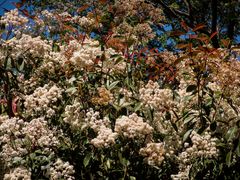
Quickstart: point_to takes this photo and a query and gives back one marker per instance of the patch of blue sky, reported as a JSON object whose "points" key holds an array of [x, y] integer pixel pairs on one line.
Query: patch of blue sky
{"points": [[7, 4]]}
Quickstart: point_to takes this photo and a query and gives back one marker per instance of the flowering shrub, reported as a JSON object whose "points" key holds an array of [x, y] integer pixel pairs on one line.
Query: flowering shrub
{"points": [[87, 106]]}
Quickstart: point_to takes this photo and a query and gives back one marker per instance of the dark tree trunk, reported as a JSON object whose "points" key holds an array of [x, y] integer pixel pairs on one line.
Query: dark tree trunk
{"points": [[214, 5]]}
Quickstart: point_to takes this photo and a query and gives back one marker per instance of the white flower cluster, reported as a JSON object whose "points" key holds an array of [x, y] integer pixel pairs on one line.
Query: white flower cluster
{"points": [[93, 120], [48, 14], [18, 137], [110, 66], [144, 32], [162, 124], [29, 45], [152, 96], [132, 126], [154, 153], [203, 146], [41, 100], [73, 115], [13, 18], [182, 174], [39, 134], [18, 173], [11, 128], [106, 136], [214, 86], [65, 15], [112, 63], [85, 56], [85, 22], [127, 94], [61, 170]]}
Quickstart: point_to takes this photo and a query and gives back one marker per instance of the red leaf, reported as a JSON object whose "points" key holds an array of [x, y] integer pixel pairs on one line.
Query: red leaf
{"points": [[190, 47], [184, 25], [82, 8], [18, 5], [212, 35], [182, 46], [193, 36], [102, 1], [69, 28], [25, 12], [198, 26], [225, 42], [177, 33], [14, 105]]}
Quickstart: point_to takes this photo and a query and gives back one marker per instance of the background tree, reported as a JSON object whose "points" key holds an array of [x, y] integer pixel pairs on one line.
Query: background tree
{"points": [[217, 16]]}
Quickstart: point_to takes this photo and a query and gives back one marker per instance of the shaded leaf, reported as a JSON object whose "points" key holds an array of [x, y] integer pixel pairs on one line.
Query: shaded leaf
{"points": [[191, 88], [229, 158], [184, 26], [87, 159], [231, 133]]}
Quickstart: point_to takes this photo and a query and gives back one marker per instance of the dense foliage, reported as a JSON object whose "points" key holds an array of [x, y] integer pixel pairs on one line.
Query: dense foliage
{"points": [[83, 96]]}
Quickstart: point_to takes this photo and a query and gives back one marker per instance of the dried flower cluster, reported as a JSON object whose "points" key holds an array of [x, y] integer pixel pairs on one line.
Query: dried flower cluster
{"points": [[104, 98]]}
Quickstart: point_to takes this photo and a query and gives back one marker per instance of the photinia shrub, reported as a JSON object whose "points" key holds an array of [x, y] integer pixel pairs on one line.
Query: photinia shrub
{"points": [[83, 97]]}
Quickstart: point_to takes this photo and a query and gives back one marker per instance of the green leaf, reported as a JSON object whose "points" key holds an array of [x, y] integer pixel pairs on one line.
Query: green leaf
{"points": [[137, 106], [108, 164], [188, 119], [111, 86], [71, 90], [118, 108], [238, 149], [118, 60], [229, 158], [21, 66], [187, 98], [231, 133], [186, 135], [132, 178], [87, 159]]}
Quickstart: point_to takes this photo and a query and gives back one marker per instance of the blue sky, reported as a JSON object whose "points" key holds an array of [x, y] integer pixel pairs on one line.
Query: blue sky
{"points": [[7, 4]]}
